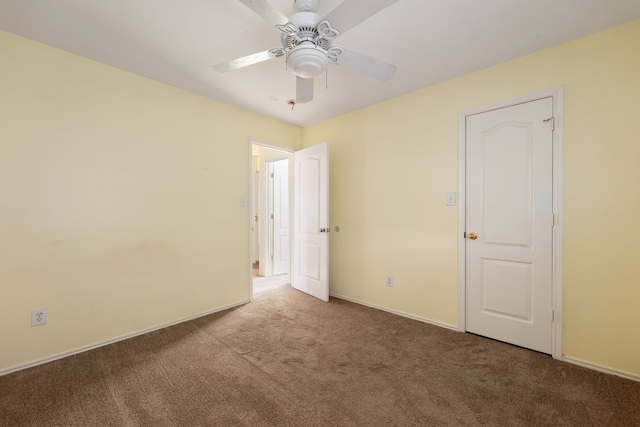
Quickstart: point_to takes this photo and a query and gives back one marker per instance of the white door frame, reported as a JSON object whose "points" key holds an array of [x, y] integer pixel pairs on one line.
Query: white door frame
{"points": [[286, 151], [557, 95]]}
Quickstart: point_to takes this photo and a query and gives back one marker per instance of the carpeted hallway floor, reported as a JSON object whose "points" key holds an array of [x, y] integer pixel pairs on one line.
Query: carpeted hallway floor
{"points": [[287, 359]]}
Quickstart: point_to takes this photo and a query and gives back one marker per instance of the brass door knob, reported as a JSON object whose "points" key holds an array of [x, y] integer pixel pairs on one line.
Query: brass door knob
{"points": [[473, 236]]}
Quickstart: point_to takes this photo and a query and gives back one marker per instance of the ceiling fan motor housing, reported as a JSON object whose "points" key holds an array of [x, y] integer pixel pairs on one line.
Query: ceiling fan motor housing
{"points": [[306, 5], [307, 56]]}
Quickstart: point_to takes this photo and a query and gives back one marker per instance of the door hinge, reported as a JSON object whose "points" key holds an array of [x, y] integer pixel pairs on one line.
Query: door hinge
{"points": [[271, 174], [553, 315], [464, 234], [271, 216], [271, 257], [553, 220], [553, 123]]}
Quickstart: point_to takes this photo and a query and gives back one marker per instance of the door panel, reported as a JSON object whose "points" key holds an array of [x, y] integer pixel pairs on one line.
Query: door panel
{"points": [[310, 261], [509, 207], [311, 214], [507, 186], [507, 289], [308, 177]]}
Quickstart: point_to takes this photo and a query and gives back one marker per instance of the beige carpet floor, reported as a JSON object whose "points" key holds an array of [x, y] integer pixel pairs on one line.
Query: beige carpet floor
{"points": [[287, 359]]}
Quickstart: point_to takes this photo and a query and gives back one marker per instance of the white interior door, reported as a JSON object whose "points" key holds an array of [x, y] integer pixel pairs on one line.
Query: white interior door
{"points": [[280, 217], [255, 224], [509, 207], [310, 272]]}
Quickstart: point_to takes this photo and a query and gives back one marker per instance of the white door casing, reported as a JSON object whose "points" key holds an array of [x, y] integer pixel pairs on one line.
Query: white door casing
{"points": [[279, 204], [509, 203], [310, 257]]}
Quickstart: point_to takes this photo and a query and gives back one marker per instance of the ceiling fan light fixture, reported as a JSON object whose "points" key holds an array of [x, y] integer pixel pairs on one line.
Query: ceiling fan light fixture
{"points": [[307, 41], [307, 61]]}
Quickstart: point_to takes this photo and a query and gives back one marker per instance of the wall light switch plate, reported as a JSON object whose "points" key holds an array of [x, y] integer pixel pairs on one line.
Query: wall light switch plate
{"points": [[451, 199], [243, 202]]}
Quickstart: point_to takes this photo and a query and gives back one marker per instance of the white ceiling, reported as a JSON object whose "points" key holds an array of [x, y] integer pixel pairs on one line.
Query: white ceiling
{"points": [[430, 41]]}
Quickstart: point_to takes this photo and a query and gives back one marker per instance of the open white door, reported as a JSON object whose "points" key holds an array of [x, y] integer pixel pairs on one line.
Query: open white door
{"points": [[310, 270]]}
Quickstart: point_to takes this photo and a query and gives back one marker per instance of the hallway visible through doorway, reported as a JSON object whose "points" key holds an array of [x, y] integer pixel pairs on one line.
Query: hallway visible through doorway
{"points": [[262, 284], [270, 244]]}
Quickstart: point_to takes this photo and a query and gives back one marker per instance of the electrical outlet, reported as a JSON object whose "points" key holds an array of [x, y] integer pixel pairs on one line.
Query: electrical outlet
{"points": [[39, 317], [389, 280]]}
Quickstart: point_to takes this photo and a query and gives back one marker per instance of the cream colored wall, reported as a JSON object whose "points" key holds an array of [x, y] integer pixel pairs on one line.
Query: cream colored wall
{"points": [[393, 163], [119, 206]]}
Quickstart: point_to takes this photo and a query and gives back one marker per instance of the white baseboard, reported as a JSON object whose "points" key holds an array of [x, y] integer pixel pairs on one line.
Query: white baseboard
{"points": [[399, 313], [573, 361], [592, 366], [600, 368], [114, 340]]}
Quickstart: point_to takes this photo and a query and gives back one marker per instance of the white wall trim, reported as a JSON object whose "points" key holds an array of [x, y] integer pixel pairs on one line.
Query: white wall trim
{"points": [[557, 95], [600, 368], [114, 340], [462, 220], [270, 145], [578, 362], [398, 313]]}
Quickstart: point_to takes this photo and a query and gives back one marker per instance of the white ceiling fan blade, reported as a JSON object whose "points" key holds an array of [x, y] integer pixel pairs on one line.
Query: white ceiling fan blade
{"points": [[304, 90], [267, 11], [248, 60], [352, 12], [366, 65]]}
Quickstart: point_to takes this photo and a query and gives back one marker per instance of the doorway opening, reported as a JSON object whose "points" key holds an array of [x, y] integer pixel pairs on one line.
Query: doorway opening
{"points": [[270, 228]]}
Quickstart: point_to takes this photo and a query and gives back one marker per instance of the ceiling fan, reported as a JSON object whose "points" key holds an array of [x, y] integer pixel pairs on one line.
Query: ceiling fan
{"points": [[307, 41]]}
